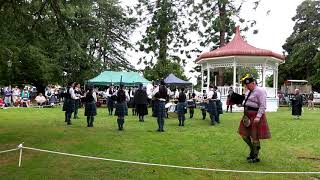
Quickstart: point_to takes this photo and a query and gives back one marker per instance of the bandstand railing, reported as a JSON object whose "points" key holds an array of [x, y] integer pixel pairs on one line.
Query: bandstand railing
{"points": [[271, 92]]}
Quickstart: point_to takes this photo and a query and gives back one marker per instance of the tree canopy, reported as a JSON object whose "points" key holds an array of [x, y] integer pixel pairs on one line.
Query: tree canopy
{"points": [[59, 41], [302, 46]]}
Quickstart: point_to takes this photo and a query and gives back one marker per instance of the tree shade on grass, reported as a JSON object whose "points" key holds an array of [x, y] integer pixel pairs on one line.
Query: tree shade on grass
{"points": [[197, 144]]}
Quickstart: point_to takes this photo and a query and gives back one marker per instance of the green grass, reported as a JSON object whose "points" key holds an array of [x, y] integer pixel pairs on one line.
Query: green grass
{"points": [[197, 144]]}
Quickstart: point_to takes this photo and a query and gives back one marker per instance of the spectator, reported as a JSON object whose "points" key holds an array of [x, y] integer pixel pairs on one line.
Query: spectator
{"points": [[25, 97], [1, 103], [16, 96], [40, 99], [310, 101], [7, 96]]}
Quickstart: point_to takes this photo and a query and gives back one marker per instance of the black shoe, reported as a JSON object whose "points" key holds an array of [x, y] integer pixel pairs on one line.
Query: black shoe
{"points": [[69, 123], [254, 160], [251, 156], [158, 130], [162, 130]]}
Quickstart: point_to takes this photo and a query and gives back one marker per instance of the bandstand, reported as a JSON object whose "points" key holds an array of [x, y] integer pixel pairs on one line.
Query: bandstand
{"points": [[239, 53]]}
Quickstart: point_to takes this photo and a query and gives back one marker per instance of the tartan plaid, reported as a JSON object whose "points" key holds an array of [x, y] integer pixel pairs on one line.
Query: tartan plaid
{"points": [[121, 109], [142, 109], [219, 107], [181, 108], [229, 102], [159, 109], [68, 105], [110, 102], [212, 107], [191, 104], [204, 105], [256, 130], [90, 109]]}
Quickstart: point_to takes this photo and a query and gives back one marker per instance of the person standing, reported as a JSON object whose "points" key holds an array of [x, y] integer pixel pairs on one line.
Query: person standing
{"points": [[121, 106], [69, 102], [7, 96], [212, 106], [181, 107], [203, 104], [77, 102], [131, 101], [191, 103], [310, 101], [161, 95], [229, 103], [140, 100], [90, 110], [110, 99], [253, 125], [218, 103], [297, 102]]}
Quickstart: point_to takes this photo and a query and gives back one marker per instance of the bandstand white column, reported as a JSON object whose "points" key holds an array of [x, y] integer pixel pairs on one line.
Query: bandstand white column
{"points": [[264, 75], [234, 73], [202, 78], [276, 79], [208, 78]]}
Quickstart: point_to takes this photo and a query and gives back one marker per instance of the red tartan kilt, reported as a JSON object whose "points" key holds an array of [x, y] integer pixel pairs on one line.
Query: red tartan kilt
{"points": [[256, 130], [229, 103]]}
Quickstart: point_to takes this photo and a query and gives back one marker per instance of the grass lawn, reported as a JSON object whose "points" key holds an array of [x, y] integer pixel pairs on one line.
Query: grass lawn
{"points": [[197, 144]]}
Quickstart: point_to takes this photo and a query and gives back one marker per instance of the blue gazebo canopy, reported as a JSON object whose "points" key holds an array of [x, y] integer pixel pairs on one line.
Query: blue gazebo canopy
{"points": [[173, 80]]}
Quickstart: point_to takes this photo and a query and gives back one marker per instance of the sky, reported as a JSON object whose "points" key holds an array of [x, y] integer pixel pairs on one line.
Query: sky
{"points": [[274, 28]]}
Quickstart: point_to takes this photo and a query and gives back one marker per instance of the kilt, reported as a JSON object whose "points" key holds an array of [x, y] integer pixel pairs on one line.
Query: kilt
{"points": [[159, 109], [219, 107], [90, 109], [203, 106], [77, 103], [256, 130], [212, 107], [191, 104], [131, 103], [229, 103], [121, 109], [181, 108], [154, 106], [110, 102], [68, 105], [142, 109]]}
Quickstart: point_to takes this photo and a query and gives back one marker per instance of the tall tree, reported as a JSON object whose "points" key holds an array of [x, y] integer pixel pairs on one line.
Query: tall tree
{"points": [[55, 41], [303, 60], [164, 37], [217, 23]]}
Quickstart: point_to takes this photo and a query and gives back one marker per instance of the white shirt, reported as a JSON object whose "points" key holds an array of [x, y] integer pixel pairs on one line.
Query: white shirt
{"points": [[71, 92], [218, 95], [210, 94]]}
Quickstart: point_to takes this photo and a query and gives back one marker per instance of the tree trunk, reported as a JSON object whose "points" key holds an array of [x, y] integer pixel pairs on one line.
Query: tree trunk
{"points": [[223, 19]]}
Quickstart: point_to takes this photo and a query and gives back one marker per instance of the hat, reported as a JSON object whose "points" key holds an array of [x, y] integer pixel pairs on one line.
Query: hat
{"points": [[162, 82], [247, 79]]}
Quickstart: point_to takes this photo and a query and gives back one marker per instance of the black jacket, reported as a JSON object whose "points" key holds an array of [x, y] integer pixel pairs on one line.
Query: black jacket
{"points": [[140, 97]]}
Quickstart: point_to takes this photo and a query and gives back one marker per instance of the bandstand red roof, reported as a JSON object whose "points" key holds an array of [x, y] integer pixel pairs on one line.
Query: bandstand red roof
{"points": [[238, 47]]}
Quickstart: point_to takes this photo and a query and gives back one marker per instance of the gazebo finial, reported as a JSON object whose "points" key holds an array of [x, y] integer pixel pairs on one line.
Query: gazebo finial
{"points": [[238, 30]]}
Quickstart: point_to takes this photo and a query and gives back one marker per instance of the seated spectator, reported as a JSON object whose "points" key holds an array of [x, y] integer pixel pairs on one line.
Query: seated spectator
{"points": [[2, 104], [40, 99], [25, 97]]}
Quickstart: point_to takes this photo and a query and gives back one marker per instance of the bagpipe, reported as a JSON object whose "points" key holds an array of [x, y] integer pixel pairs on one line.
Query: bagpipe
{"points": [[236, 98]]}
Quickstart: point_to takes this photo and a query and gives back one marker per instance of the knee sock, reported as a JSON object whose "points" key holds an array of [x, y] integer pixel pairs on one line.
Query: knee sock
{"points": [[256, 148], [91, 122], [249, 143], [88, 121]]}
